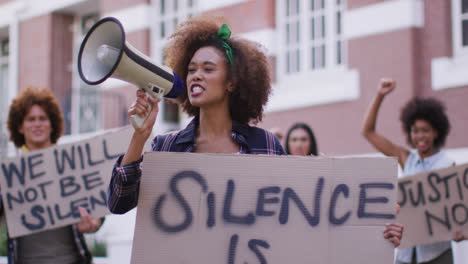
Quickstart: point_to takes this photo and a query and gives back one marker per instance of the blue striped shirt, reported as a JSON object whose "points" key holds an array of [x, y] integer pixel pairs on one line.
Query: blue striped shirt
{"points": [[414, 164], [125, 182]]}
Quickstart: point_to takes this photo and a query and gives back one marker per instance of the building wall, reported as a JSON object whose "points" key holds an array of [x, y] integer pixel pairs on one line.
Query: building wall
{"points": [[360, 3], [260, 14], [35, 65], [404, 55], [110, 5], [437, 42], [338, 126]]}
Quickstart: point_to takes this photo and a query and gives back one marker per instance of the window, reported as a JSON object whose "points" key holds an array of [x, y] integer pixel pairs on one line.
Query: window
{"points": [[460, 26], [450, 72], [89, 96], [311, 55], [313, 34], [4, 52], [170, 14], [293, 36]]}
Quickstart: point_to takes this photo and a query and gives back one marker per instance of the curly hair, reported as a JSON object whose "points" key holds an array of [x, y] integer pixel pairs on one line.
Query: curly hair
{"points": [[313, 142], [249, 72], [427, 109], [21, 106]]}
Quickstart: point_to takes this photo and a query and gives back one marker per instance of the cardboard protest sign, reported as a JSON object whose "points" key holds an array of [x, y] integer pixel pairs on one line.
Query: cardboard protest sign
{"points": [[433, 205], [219, 208], [42, 189]]}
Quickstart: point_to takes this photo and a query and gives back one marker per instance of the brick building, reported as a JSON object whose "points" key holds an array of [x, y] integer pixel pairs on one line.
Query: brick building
{"points": [[327, 57]]}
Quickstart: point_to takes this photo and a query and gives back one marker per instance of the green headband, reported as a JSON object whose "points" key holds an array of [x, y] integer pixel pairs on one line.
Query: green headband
{"points": [[223, 34]]}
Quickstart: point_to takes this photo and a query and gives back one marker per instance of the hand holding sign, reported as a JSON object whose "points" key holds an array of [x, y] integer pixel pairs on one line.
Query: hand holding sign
{"points": [[88, 224], [459, 236], [394, 233]]}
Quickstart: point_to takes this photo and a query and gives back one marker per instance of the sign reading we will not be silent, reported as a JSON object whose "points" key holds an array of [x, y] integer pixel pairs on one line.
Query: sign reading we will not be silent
{"points": [[433, 205], [220, 208], [43, 189]]}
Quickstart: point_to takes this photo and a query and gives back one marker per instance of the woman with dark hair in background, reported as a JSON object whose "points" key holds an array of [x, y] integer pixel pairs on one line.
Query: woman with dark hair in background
{"points": [[426, 126], [300, 140]]}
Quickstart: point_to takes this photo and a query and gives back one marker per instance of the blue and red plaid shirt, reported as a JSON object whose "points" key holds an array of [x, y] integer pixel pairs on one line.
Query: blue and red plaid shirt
{"points": [[125, 182]]}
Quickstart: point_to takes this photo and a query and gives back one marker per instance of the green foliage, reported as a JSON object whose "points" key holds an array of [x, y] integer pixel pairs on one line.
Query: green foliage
{"points": [[3, 238], [98, 248]]}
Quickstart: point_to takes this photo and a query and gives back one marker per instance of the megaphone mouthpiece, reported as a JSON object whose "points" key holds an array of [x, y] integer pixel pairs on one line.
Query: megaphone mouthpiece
{"points": [[104, 53]]}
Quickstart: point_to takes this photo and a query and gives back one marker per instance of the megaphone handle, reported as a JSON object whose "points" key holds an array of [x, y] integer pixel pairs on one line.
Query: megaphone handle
{"points": [[137, 121], [153, 91]]}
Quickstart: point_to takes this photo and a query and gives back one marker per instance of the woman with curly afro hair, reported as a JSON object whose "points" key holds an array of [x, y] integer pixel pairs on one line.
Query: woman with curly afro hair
{"points": [[35, 120], [426, 125], [227, 84]]}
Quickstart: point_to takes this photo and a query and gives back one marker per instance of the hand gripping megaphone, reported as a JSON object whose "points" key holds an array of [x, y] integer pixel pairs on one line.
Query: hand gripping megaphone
{"points": [[104, 53]]}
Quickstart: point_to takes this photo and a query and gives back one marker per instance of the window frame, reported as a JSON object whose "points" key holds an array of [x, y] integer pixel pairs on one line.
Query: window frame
{"points": [[457, 35], [306, 42], [309, 87], [4, 61]]}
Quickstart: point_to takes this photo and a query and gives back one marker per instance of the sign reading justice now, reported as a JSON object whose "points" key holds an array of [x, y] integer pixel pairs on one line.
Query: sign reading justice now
{"points": [[220, 208], [42, 189], [433, 205]]}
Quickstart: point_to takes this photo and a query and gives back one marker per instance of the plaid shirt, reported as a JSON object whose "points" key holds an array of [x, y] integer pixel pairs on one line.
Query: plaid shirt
{"points": [[125, 181]]}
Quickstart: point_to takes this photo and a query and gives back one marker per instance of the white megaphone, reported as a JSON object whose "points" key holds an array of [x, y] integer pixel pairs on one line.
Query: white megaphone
{"points": [[104, 53]]}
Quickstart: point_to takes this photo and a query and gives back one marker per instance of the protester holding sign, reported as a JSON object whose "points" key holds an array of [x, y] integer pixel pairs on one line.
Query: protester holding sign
{"points": [[35, 122], [426, 126], [227, 86]]}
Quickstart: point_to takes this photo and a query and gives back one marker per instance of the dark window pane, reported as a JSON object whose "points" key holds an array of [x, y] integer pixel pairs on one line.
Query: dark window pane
{"points": [[338, 22], [5, 48], [288, 32], [176, 21], [313, 58], [312, 28], [323, 26], [338, 53], [287, 7], [163, 30], [288, 65], [171, 112], [87, 21], [323, 4], [312, 5], [298, 59], [297, 6], [298, 32], [464, 6], [323, 56], [465, 33], [163, 7]]}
